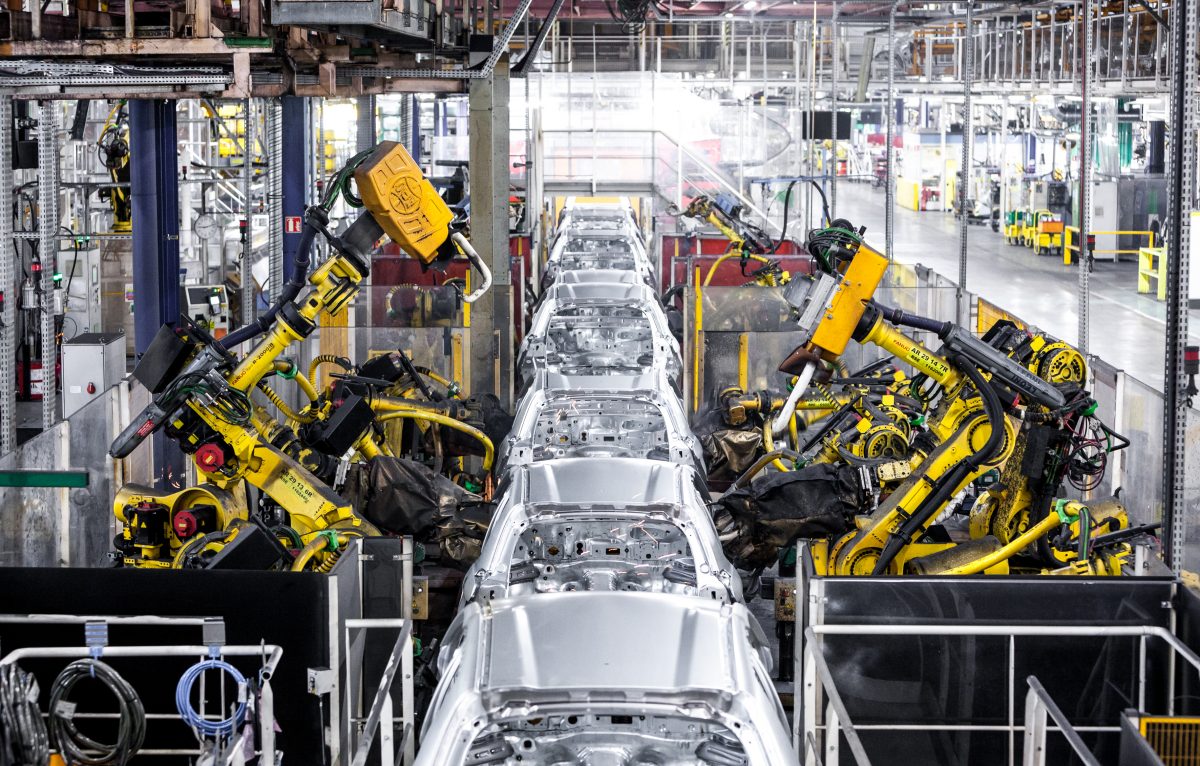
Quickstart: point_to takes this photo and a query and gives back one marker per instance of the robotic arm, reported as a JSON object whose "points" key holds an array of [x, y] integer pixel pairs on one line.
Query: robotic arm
{"points": [[746, 241], [201, 391], [969, 431]]}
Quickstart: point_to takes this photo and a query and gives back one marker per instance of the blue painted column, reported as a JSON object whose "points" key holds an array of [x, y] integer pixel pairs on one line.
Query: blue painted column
{"points": [[296, 123], [154, 191]]}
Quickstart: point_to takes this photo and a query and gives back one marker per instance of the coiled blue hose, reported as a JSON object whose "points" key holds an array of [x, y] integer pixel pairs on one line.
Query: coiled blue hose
{"points": [[183, 700]]}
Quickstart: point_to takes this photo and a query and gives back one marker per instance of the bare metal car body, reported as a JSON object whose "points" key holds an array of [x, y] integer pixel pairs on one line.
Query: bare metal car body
{"points": [[596, 679], [599, 422], [599, 328], [616, 524]]}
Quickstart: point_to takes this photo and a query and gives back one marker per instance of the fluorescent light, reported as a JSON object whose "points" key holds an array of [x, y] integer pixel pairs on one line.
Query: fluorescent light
{"points": [[750, 4], [728, 14]]}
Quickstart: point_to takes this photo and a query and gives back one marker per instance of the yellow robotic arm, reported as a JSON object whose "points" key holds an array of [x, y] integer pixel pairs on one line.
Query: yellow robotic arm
{"points": [[970, 431], [206, 404]]}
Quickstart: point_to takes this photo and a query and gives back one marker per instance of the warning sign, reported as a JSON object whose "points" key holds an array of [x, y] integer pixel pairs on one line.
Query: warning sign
{"points": [[292, 224]]}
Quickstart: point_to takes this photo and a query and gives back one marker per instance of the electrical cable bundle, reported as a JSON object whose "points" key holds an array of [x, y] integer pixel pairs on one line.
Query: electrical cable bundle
{"points": [[824, 244], [631, 13], [23, 737], [231, 405], [206, 728], [76, 747]]}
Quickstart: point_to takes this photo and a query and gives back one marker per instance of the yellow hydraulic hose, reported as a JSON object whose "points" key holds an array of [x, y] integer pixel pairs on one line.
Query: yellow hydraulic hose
{"points": [[769, 446], [1003, 554], [393, 412], [321, 359], [288, 412], [734, 254], [368, 448], [286, 367], [318, 544]]}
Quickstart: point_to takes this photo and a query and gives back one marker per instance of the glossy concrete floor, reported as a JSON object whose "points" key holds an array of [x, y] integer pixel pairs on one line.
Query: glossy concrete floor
{"points": [[1127, 329]]}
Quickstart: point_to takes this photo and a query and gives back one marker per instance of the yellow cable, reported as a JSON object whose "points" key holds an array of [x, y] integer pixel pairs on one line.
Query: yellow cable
{"points": [[794, 432], [288, 412], [316, 545], [391, 411], [769, 446], [712, 269], [285, 366], [1003, 554], [306, 386], [367, 447], [319, 360]]}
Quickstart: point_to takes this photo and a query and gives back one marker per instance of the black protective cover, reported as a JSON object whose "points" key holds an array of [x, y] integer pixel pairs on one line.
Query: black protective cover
{"points": [[816, 501], [163, 360]]}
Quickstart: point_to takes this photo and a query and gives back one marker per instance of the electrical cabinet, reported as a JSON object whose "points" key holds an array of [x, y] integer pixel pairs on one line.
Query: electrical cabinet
{"points": [[91, 364]]}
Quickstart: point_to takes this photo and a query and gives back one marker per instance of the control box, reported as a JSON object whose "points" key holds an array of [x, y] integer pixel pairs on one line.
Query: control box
{"points": [[92, 363], [207, 306]]}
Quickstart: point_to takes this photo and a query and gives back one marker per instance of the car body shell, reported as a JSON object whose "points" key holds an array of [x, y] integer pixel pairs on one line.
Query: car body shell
{"points": [[510, 662], [602, 523]]}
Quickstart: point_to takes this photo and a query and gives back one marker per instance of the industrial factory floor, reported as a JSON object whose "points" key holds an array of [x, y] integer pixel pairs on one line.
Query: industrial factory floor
{"points": [[1126, 328]]}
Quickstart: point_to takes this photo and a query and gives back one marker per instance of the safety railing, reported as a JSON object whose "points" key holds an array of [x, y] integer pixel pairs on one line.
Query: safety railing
{"points": [[1038, 707], [396, 734], [1071, 243], [825, 731], [650, 157], [837, 718], [96, 646], [382, 719]]}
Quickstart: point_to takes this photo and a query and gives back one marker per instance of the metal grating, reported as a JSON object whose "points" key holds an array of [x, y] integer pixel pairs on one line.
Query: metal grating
{"points": [[1175, 740]]}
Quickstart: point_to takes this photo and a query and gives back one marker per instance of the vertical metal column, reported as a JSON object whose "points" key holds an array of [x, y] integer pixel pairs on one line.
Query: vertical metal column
{"points": [[154, 194], [491, 316], [8, 286], [48, 222], [889, 204], [963, 192], [273, 148], [365, 135], [1086, 165], [294, 129], [249, 294], [833, 90], [1182, 174]]}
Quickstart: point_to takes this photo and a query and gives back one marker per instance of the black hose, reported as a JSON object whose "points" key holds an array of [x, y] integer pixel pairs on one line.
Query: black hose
{"points": [[946, 486], [762, 463], [22, 730], [290, 290], [824, 200], [901, 317], [668, 298], [76, 747], [787, 204], [873, 367]]}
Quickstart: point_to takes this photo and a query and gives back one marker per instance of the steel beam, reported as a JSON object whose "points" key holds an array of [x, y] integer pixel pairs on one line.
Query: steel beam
{"points": [[48, 223], [249, 294], [491, 316], [889, 204], [1086, 173], [1185, 25], [964, 189], [273, 148], [8, 285]]}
